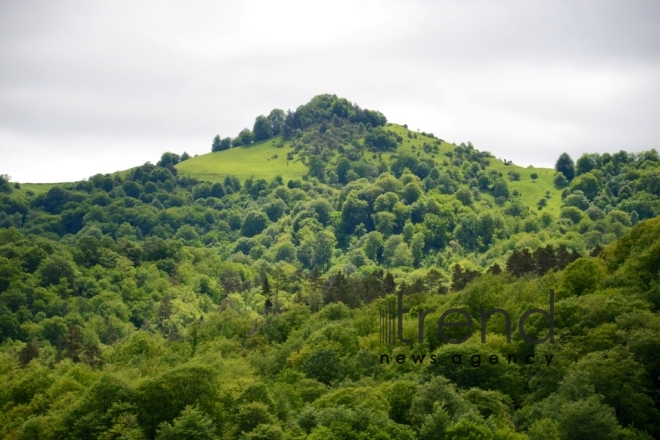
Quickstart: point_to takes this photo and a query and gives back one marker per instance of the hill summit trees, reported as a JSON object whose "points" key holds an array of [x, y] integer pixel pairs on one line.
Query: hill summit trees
{"points": [[322, 109]]}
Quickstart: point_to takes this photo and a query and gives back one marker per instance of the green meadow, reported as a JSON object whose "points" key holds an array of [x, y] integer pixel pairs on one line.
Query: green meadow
{"points": [[37, 188], [262, 160]]}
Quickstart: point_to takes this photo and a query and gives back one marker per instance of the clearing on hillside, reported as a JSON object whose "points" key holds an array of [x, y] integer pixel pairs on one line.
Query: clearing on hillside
{"points": [[263, 160]]}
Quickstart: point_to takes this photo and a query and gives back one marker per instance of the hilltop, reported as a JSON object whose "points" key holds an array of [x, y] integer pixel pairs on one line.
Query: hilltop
{"points": [[268, 159]]}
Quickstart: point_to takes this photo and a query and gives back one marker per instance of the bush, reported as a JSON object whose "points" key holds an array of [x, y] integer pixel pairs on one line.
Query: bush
{"points": [[560, 180], [572, 213], [254, 223]]}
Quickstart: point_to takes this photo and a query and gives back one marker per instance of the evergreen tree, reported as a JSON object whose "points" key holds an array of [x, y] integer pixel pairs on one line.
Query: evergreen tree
{"points": [[565, 166], [495, 269], [216, 144], [564, 257], [388, 284], [544, 259], [596, 251], [461, 278], [520, 263], [634, 218], [265, 287]]}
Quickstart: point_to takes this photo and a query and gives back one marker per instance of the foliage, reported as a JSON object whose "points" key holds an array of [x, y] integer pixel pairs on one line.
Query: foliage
{"points": [[158, 303], [565, 166]]}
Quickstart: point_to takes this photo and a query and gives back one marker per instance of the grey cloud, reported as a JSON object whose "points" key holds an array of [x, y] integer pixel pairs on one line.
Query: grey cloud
{"points": [[524, 80]]}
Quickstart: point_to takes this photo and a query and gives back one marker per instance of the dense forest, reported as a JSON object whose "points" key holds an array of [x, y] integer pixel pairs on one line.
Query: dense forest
{"points": [[153, 304]]}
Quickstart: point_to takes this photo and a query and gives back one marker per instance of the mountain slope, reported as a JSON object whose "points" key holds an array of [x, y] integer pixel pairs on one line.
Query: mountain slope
{"points": [[262, 160], [268, 159]]}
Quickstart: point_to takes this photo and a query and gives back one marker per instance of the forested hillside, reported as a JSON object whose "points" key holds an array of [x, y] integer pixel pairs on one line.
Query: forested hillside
{"points": [[237, 294]]}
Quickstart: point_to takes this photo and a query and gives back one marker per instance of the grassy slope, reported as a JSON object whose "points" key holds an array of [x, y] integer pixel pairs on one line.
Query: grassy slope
{"points": [[258, 160], [37, 188], [254, 160], [531, 191]]}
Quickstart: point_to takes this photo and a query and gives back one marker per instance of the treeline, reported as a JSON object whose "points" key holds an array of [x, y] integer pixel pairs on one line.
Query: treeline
{"points": [[321, 110], [522, 262]]}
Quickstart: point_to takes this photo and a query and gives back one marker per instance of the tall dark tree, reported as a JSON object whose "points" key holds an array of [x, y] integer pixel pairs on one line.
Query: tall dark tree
{"points": [[520, 263], [461, 278], [5, 187], [501, 189], [254, 223], [338, 290], [564, 257], [168, 160], [434, 281], [265, 287], [215, 146], [343, 165], [261, 129], [316, 166], [596, 251], [245, 137], [217, 190], [495, 269], [276, 120], [389, 285], [291, 124], [565, 166], [544, 259], [372, 286]]}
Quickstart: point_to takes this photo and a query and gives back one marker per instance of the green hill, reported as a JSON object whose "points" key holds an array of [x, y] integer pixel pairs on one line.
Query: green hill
{"points": [[268, 159], [239, 295]]}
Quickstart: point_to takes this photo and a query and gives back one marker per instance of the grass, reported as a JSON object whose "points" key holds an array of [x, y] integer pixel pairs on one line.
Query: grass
{"points": [[37, 188], [531, 190], [256, 160]]}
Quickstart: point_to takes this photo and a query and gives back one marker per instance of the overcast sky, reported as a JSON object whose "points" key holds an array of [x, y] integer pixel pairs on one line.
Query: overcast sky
{"points": [[88, 87]]}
